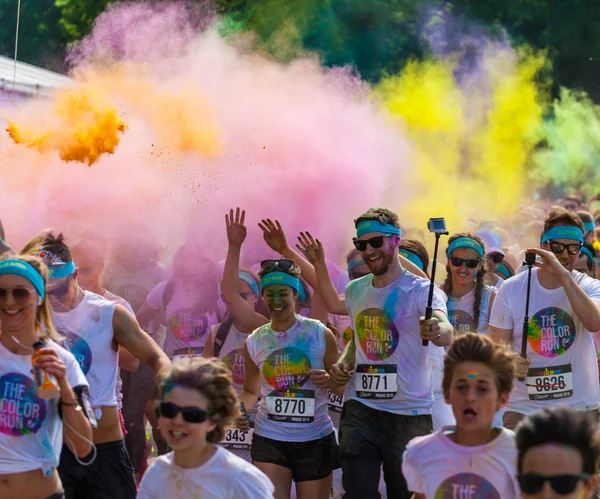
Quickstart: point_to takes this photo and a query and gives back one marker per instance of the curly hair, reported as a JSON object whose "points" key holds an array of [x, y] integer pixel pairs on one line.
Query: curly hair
{"points": [[212, 378], [479, 280], [474, 347], [382, 215], [559, 216]]}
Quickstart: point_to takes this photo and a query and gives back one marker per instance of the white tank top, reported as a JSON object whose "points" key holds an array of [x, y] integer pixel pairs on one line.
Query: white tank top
{"points": [[292, 409], [31, 432], [460, 311], [89, 337], [232, 353]]}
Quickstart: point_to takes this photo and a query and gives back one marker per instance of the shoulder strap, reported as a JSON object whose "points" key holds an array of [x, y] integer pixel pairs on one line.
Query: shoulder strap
{"points": [[221, 335], [168, 293]]}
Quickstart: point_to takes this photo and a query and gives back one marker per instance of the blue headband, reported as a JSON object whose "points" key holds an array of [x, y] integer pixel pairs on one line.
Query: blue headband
{"points": [[563, 232], [367, 226], [588, 253], [589, 226], [281, 278], [248, 279], [301, 293], [465, 242], [24, 269], [61, 270], [503, 270], [355, 262], [412, 257]]}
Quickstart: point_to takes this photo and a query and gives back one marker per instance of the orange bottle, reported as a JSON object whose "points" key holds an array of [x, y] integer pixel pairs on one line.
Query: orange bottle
{"points": [[47, 386]]}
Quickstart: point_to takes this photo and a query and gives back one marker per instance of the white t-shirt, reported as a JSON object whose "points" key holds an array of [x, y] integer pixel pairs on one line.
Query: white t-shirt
{"points": [[31, 431], [461, 311], [436, 466], [186, 327], [563, 368], [223, 476], [393, 369]]}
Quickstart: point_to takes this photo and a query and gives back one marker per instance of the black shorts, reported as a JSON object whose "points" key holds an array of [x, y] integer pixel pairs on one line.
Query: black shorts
{"points": [[110, 476], [312, 460]]}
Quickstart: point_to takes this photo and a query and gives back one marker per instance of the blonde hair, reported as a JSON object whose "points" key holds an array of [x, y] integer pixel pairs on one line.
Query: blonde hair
{"points": [[43, 319], [212, 378]]}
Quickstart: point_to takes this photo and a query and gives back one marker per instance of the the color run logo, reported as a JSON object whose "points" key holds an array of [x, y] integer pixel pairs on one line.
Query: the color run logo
{"points": [[79, 348], [235, 362], [286, 368], [377, 334], [551, 332], [466, 486], [188, 326], [462, 321], [21, 411]]}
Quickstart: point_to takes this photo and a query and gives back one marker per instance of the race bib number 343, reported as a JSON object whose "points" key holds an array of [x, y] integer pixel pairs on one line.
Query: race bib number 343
{"points": [[376, 381], [291, 406], [548, 383], [236, 439]]}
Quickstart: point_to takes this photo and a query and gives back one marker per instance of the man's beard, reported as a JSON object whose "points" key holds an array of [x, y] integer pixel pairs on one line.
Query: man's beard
{"points": [[381, 267]]}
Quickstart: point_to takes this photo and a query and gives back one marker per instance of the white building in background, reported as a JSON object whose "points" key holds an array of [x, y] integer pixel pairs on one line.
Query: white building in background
{"points": [[30, 81]]}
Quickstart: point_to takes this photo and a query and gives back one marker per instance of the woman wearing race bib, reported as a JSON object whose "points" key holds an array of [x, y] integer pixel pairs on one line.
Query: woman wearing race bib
{"points": [[31, 425], [472, 459], [558, 455], [287, 363], [198, 403]]}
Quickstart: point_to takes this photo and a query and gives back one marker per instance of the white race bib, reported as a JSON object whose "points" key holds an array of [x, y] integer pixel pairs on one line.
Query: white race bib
{"points": [[548, 383], [336, 402], [376, 381], [291, 406], [236, 439], [181, 353]]}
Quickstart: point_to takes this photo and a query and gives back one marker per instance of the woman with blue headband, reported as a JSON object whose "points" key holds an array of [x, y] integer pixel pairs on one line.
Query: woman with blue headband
{"points": [[32, 425], [287, 363]]}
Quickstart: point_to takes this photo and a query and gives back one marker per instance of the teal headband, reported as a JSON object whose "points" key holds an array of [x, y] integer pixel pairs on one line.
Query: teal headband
{"points": [[503, 270], [588, 253], [61, 270], [412, 257], [249, 280], [589, 226], [367, 226], [355, 262], [24, 269], [282, 278], [465, 242], [563, 232]]}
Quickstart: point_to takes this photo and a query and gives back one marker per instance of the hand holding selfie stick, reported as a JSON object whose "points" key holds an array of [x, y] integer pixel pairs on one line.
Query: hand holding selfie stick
{"points": [[438, 227], [529, 261]]}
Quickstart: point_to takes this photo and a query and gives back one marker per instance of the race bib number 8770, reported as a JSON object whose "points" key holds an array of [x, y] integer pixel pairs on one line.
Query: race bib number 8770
{"points": [[291, 406]]}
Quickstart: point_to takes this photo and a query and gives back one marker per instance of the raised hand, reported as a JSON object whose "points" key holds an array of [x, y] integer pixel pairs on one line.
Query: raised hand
{"points": [[236, 230], [273, 235], [312, 249], [550, 263]]}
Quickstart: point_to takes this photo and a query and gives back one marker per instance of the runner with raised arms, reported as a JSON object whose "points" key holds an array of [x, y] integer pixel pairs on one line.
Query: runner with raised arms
{"points": [[287, 362], [472, 459], [561, 366]]}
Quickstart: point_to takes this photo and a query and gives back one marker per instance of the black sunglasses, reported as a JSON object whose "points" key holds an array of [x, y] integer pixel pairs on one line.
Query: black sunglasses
{"points": [[558, 248], [532, 483], [271, 265], [497, 258], [458, 262], [374, 242], [189, 414], [19, 294]]}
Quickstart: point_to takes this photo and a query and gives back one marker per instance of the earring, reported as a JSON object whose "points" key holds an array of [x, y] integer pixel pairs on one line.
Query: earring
{"points": [[40, 301]]}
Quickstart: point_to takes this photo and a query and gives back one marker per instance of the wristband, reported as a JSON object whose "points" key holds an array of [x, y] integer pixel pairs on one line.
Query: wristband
{"points": [[68, 404]]}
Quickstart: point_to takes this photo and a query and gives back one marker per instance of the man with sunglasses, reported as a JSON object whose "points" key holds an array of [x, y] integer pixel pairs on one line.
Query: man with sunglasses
{"points": [[94, 328], [389, 396], [558, 452], [564, 306]]}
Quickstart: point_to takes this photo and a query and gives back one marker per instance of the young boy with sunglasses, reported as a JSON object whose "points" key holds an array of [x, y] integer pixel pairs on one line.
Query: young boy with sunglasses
{"points": [[198, 403], [564, 307], [558, 452]]}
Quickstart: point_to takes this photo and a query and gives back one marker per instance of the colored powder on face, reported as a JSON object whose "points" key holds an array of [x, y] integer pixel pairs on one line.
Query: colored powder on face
{"points": [[472, 373]]}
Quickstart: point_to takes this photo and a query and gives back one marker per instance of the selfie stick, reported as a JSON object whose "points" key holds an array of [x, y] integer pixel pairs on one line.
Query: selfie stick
{"points": [[429, 310], [529, 263]]}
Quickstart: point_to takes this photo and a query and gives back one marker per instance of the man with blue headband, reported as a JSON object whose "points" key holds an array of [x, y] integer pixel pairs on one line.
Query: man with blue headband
{"points": [[389, 396], [564, 309], [94, 328]]}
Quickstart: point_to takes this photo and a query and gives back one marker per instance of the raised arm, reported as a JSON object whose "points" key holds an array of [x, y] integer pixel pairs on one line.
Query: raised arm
{"points": [[313, 249], [239, 309]]}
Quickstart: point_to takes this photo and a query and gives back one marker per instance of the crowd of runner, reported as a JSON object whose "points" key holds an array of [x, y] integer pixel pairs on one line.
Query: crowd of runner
{"points": [[292, 377]]}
